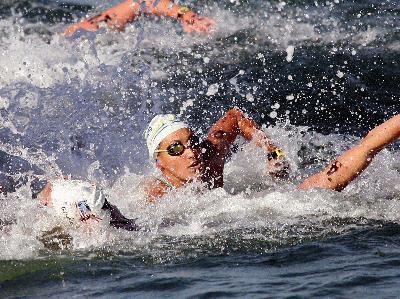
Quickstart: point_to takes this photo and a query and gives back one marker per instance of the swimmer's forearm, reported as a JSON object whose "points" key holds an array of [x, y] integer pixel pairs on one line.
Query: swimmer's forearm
{"points": [[44, 196], [234, 123], [121, 14], [250, 130], [127, 10], [115, 18], [348, 166], [278, 166], [191, 21]]}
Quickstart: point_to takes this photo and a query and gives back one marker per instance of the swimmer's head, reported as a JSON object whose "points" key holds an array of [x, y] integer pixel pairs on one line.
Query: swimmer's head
{"points": [[159, 128], [76, 199], [176, 149]]}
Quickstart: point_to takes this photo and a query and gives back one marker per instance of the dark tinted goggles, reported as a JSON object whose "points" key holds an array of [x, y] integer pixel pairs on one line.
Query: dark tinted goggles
{"points": [[177, 148]]}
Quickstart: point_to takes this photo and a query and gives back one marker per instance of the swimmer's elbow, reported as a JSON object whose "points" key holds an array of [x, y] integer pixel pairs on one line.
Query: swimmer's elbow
{"points": [[235, 112]]}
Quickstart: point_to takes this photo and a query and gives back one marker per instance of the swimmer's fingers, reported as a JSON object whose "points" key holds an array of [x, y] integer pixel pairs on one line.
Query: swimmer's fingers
{"points": [[90, 24]]}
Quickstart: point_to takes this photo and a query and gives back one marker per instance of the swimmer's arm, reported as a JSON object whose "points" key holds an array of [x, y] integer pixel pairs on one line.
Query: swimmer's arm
{"points": [[118, 16], [348, 166], [233, 124], [118, 220], [115, 18]]}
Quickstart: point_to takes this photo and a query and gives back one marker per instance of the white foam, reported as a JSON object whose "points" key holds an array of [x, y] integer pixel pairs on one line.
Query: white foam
{"points": [[289, 53]]}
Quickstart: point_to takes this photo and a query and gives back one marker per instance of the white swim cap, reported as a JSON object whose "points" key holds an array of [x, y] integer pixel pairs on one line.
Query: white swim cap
{"points": [[72, 198], [160, 127]]}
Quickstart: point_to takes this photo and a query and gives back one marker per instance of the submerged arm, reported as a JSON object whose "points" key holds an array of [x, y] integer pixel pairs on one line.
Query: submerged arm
{"points": [[118, 16]]}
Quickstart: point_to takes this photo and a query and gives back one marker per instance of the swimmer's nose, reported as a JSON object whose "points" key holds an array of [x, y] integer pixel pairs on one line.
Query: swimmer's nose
{"points": [[190, 153]]}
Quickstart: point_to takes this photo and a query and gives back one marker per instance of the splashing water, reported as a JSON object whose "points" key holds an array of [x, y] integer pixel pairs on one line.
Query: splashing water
{"points": [[78, 107]]}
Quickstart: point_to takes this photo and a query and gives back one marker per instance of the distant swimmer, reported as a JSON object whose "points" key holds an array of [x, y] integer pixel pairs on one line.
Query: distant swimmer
{"points": [[182, 157], [118, 16]]}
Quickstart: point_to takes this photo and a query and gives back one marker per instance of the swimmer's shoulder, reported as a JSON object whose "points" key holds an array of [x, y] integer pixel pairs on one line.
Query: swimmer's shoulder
{"points": [[155, 188]]}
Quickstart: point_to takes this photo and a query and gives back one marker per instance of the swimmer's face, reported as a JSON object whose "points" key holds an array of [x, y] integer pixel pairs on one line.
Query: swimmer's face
{"points": [[180, 155]]}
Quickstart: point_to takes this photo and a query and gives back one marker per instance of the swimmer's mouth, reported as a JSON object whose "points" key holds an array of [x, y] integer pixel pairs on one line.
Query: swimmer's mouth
{"points": [[195, 164]]}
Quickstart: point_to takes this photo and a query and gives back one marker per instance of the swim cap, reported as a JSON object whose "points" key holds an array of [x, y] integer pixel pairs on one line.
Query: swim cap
{"points": [[74, 199], [160, 127]]}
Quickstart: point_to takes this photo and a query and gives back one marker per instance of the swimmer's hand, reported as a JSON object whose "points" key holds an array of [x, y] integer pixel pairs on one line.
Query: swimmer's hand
{"points": [[193, 22], [278, 168]]}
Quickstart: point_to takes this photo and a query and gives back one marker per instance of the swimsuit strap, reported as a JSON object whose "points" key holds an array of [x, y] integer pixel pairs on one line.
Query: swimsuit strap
{"points": [[163, 180]]}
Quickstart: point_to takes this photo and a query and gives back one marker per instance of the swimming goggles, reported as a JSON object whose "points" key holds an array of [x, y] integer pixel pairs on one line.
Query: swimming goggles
{"points": [[177, 148]]}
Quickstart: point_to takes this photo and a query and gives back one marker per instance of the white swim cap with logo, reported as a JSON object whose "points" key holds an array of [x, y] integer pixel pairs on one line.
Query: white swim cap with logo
{"points": [[160, 127], [71, 198]]}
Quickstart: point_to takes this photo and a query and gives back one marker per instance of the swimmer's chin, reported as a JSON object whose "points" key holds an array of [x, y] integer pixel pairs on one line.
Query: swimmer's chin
{"points": [[196, 174]]}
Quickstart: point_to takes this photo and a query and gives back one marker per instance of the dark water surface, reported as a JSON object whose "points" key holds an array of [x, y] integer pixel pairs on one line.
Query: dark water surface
{"points": [[78, 107], [363, 263]]}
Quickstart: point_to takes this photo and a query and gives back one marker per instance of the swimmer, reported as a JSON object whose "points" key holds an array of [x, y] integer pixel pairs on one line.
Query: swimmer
{"points": [[118, 16], [76, 200], [182, 157], [179, 162], [83, 202]]}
